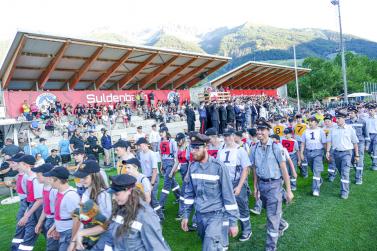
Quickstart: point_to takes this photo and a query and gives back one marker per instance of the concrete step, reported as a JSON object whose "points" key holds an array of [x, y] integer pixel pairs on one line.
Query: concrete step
{"points": [[119, 130]]}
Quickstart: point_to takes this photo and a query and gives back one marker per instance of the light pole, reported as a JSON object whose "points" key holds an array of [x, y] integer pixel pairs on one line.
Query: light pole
{"points": [[296, 78], [344, 71]]}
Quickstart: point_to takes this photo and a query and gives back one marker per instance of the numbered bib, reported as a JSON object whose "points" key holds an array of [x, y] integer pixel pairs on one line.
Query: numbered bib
{"points": [[288, 144], [300, 129], [228, 157], [213, 153], [313, 136], [165, 147], [279, 130], [182, 157]]}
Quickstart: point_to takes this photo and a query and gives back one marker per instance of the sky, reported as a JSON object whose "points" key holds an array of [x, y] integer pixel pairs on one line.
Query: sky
{"points": [[77, 17]]}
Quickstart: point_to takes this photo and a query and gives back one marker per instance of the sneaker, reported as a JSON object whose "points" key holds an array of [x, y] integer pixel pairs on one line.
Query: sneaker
{"points": [[359, 182], [316, 193], [179, 217], [245, 237], [193, 227], [255, 211], [283, 227], [344, 196]]}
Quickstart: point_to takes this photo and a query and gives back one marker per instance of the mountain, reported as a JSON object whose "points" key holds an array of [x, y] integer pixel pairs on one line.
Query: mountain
{"points": [[265, 43], [168, 41], [242, 43]]}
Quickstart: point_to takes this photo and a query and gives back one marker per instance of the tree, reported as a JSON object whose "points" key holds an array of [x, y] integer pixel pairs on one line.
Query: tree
{"points": [[325, 79]]}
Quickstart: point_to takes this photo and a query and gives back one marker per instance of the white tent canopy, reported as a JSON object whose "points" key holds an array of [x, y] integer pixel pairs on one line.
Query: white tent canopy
{"points": [[359, 94]]}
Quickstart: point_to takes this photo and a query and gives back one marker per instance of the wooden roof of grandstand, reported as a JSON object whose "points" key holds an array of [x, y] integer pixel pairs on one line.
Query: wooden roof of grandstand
{"points": [[37, 61], [257, 75]]}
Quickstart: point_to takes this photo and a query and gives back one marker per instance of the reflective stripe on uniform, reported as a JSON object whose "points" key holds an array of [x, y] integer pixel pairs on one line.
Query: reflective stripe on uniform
{"points": [[316, 178], [293, 179], [27, 248], [231, 207], [136, 225], [359, 168], [175, 188], [344, 181], [331, 170], [272, 234], [304, 164], [156, 208], [225, 223], [17, 241], [374, 157], [202, 176], [107, 248], [188, 201], [181, 198], [245, 219], [165, 191], [118, 219]]}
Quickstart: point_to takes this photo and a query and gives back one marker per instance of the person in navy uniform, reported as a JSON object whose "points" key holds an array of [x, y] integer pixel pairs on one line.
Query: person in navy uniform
{"points": [[209, 189], [134, 224], [269, 168], [362, 133], [344, 141]]}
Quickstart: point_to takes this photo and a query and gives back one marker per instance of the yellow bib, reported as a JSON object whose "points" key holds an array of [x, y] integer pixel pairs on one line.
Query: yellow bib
{"points": [[279, 130], [300, 129]]}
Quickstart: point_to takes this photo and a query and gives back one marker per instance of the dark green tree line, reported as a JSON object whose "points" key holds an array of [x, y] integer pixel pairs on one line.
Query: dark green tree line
{"points": [[325, 79]]}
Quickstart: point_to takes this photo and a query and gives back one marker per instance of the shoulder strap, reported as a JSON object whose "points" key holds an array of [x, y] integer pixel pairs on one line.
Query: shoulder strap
{"points": [[256, 147], [274, 153]]}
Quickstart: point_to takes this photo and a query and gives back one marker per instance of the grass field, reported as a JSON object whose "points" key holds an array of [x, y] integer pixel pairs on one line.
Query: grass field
{"points": [[324, 223]]}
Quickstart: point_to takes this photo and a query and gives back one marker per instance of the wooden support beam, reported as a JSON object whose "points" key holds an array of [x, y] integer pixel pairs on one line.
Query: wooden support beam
{"points": [[78, 75], [52, 66], [194, 81], [12, 65], [101, 80], [281, 82], [252, 77], [186, 77], [271, 79], [165, 80], [147, 80], [126, 79], [241, 77]]}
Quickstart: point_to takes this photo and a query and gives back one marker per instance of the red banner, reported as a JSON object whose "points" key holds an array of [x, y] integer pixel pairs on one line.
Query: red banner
{"points": [[14, 99], [253, 92]]}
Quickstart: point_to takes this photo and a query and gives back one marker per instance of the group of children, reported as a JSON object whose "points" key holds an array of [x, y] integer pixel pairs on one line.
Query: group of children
{"points": [[93, 216]]}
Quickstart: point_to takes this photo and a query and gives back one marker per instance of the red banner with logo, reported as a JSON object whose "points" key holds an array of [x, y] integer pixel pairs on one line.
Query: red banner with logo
{"points": [[253, 92], [14, 99]]}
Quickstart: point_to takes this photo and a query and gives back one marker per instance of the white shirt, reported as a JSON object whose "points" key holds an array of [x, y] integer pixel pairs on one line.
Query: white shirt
{"points": [[154, 137], [139, 135], [103, 201], [343, 138], [371, 124]]}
